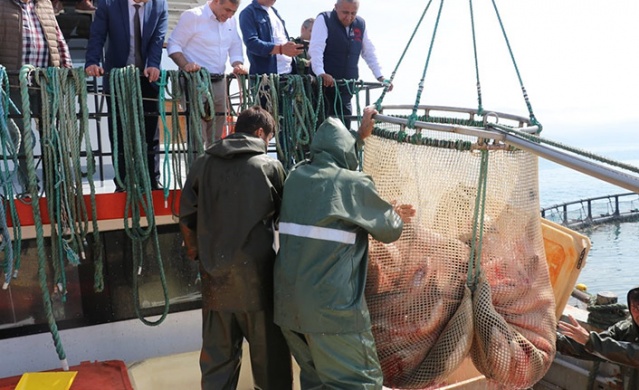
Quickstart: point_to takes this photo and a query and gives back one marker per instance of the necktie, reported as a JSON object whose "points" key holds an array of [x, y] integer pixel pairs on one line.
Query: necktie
{"points": [[137, 37]]}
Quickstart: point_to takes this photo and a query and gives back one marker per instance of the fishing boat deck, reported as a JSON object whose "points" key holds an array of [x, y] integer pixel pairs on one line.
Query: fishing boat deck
{"points": [[181, 371]]}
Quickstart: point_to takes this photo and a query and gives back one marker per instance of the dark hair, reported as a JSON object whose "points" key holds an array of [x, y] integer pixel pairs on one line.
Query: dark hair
{"points": [[633, 295], [253, 118]]}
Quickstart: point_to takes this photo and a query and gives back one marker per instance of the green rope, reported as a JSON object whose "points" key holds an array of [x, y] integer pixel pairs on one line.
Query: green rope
{"points": [[413, 117], [533, 120], [419, 139], [474, 262], [181, 155], [378, 104], [300, 119], [9, 153], [166, 164], [480, 109], [200, 107], [29, 144], [98, 260], [125, 87], [605, 316], [246, 95], [49, 90], [62, 90]]}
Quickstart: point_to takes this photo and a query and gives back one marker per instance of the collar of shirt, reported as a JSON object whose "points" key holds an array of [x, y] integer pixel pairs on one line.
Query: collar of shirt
{"points": [[141, 3], [208, 12]]}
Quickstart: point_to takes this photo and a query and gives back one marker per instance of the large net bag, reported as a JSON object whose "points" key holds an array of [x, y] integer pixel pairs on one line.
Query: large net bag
{"points": [[468, 274]]}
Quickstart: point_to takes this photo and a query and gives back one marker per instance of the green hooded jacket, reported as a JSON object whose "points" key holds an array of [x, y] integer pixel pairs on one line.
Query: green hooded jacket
{"points": [[618, 344], [328, 210], [230, 199]]}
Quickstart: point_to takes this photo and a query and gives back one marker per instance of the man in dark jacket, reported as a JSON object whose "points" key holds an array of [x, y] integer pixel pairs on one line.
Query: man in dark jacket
{"points": [[229, 203], [116, 24], [268, 44], [618, 344], [328, 210]]}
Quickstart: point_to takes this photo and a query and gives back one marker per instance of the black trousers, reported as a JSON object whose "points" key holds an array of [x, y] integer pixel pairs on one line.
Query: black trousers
{"points": [[152, 135], [223, 334]]}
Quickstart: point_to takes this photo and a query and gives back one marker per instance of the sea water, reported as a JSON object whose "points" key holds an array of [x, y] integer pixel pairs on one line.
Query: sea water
{"points": [[613, 262]]}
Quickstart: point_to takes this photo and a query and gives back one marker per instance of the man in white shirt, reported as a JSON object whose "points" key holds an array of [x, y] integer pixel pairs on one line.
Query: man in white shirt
{"points": [[205, 37], [339, 38]]}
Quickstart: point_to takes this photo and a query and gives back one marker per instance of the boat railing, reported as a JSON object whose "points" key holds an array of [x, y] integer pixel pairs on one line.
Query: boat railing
{"points": [[98, 115], [583, 213]]}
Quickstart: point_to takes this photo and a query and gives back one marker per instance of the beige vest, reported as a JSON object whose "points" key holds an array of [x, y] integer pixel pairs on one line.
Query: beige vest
{"points": [[11, 33]]}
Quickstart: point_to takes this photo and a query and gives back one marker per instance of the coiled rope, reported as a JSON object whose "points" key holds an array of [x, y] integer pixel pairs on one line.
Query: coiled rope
{"points": [[300, 119]]}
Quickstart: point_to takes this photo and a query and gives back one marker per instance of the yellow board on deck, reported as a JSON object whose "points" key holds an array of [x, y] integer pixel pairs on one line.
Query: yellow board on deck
{"points": [[59, 380], [566, 252]]}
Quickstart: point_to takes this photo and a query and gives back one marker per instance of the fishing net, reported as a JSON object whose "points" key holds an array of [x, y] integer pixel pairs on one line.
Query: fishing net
{"points": [[431, 303]]}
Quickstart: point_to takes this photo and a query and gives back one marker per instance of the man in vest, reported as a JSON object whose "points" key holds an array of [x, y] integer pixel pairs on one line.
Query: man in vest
{"points": [[30, 35], [339, 38], [115, 20]]}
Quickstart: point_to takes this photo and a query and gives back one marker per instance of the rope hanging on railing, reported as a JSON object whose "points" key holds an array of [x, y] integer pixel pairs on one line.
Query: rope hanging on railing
{"points": [[61, 90], [56, 169], [9, 157], [176, 149], [29, 144], [125, 87], [79, 78], [299, 119], [199, 98]]}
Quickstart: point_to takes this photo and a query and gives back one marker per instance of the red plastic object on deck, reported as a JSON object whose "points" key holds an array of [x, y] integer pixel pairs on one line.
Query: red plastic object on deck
{"points": [[107, 375]]}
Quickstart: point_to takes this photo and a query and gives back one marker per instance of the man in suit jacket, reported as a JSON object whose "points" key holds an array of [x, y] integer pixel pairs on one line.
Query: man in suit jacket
{"points": [[114, 21]]}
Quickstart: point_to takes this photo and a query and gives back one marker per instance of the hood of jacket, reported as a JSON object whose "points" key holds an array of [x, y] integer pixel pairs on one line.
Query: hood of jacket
{"points": [[635, 292], [237, 143], [334, 144]]}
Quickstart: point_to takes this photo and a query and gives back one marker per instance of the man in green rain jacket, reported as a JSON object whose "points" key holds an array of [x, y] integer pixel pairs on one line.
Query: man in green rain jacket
{"points": [[229, 201], [328, 210], [618, 344]]}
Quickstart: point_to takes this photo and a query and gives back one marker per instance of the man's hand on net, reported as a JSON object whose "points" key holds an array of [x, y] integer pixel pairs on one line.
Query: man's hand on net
{"points": [[366, 127], [405, 211]]}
